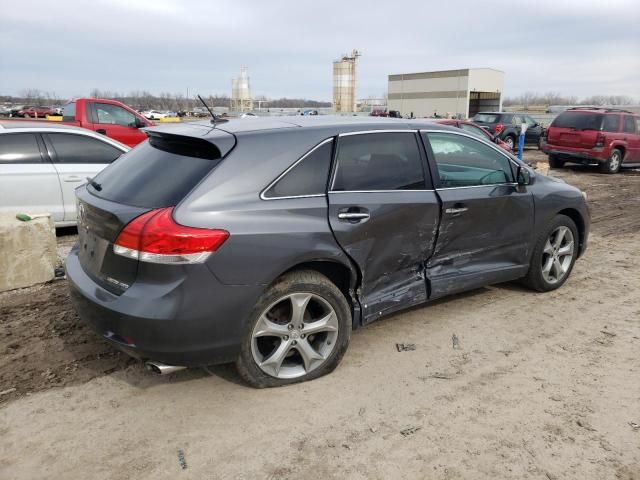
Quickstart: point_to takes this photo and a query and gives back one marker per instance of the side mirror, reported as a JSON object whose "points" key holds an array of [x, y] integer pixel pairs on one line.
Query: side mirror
{"points": [[139, 123], [524, 176]]}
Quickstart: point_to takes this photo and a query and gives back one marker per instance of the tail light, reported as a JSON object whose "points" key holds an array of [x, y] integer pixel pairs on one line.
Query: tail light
{"points": [[600, 140], [499, 127], [156, 238]]}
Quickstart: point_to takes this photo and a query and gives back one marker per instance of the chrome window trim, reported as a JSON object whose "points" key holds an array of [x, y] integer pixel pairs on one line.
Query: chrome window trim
{"points": [[291, 167], [510, 184], [485, 142], [365, 132], [379, 191]]}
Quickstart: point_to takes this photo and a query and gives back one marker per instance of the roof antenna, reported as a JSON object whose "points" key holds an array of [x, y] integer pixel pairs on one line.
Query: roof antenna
{"points": [[213, 116]]}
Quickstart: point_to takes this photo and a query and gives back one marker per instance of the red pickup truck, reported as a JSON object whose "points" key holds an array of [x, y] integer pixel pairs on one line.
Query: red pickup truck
{"points": [[108, 117]]}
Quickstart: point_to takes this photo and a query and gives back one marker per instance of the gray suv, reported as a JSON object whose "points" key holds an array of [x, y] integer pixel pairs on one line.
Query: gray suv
{"points": [[266, 242]]}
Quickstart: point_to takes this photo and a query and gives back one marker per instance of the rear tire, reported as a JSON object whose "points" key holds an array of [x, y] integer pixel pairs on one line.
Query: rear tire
{"points": [[554, 255], [279, 350], [555, 162], [510, 140], [613, 163]]}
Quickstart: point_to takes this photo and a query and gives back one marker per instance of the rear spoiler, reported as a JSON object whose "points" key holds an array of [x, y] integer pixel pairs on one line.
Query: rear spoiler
{"points": [[211, 144]]}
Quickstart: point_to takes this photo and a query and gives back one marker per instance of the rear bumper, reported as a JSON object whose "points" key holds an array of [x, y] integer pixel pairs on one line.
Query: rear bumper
{"points": [[575, 154], [188, 320]]}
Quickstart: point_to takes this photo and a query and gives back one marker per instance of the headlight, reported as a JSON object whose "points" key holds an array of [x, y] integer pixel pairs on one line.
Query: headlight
{"points": [[584, 194]]}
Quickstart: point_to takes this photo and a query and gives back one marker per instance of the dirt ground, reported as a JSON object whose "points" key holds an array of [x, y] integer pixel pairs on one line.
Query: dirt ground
{"points": [[541, 386]]}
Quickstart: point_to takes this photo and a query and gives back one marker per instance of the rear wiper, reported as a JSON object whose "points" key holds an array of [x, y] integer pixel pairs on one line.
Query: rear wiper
{"points": [[94, 184]]}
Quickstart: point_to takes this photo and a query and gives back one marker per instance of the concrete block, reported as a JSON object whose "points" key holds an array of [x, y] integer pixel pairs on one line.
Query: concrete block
{"points": [[27, 251]]}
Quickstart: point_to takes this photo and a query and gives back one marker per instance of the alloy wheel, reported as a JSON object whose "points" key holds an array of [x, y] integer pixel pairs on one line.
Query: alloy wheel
{"points": [[557, 255], [294, 335], [614, 161]]}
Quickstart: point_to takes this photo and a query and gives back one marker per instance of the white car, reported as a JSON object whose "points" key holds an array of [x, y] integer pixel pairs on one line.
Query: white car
{"points": [[154, 114], [41, 166]]}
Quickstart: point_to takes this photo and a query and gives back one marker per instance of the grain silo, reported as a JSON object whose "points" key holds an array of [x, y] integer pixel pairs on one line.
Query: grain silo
{"points": [[241, 92], [345, 81]]}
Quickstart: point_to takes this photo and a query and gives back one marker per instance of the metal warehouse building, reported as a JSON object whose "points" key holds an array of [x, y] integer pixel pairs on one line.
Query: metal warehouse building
{"points": [[460, 93]]}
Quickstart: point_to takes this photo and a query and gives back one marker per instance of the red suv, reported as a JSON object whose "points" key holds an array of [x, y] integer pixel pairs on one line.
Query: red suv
{"points": [[607, 137]]}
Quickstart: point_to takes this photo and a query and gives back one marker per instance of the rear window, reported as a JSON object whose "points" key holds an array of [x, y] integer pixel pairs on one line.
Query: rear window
{"points": [[486, 118], [579, 120], [157, 173], [69, 112]]}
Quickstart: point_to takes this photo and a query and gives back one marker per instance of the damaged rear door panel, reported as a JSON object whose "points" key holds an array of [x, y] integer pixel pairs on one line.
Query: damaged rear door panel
{"points": [[486, 231], [385, 215]]}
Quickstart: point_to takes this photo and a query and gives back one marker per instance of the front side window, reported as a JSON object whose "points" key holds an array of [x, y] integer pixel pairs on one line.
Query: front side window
{"points": [[378, 161], [71, 148], [629, 125], [466, 162], [515, 120], [307, 177], [114, 115], [19, 148], [530, 121]]}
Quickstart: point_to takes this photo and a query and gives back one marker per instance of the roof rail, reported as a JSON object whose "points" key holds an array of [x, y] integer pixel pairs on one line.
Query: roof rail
{"points": [[604, 109]]}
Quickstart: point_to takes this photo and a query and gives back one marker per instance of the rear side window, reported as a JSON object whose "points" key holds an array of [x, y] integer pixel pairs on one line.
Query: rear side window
{"points": [[378, 161], [69, 112], [19, 148], [485, 118], [629, 125], [307, 177], [579, 120], [149, 177], [611, 123], [81, 149]]}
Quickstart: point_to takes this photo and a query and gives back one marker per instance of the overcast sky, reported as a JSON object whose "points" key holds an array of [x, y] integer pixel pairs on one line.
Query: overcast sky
{"points": [[69, 47]]}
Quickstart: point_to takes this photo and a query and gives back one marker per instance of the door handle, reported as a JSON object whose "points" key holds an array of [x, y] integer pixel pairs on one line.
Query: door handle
{"points": [[454, 211], [353, 216], [72, 178], [101, 131]]}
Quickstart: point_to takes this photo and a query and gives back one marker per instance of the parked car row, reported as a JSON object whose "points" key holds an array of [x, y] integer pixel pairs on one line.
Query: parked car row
{"points": [[28, 111], [349, 219], [41, 165]]}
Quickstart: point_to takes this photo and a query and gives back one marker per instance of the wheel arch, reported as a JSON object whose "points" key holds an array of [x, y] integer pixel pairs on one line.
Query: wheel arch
{"points": [[577, 218], [621, 147], [345, 277]]}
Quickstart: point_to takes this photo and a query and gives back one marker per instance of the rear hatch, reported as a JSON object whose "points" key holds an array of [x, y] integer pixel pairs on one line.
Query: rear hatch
{"points": [[577, 129], [156, 174], [488, 121]]}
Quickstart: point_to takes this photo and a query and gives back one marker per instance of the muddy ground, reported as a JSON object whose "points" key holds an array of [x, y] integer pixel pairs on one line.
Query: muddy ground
{"points": [[542, 386]]}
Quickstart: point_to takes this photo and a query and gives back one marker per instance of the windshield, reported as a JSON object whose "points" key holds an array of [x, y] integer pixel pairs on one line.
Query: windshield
{"points": [[579, 120]]}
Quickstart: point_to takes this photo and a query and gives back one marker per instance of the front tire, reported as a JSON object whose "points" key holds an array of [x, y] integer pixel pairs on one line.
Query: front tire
{"points": [[299, 330], [613, 163], [554, 255]]}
